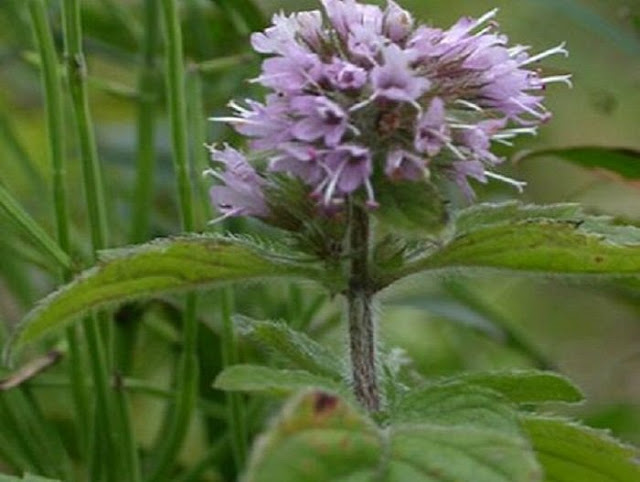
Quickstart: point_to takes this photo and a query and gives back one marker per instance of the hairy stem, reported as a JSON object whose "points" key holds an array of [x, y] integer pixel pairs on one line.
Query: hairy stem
{"points": [[362, 338]]}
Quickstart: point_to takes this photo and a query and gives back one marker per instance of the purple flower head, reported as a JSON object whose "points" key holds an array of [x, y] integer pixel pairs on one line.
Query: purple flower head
{"points": [[361, 90], [241, 191]]}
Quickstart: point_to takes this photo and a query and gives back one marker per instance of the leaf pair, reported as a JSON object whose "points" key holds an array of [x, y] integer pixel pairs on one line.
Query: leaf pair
{"points": [[462, 428], [547, 240], [465, 428]]}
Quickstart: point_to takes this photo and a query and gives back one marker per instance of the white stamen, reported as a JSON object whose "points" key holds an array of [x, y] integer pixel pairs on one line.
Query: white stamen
{"points": [[511, 133], [219, 219], [370, 196], [462, 126], [354, 129], [238, 108], [234, 120], [519, 185], [363, 103], [517, 50], [534, 113], [456, 151], [466, 103], [417, 107], [483, 31], [502, 141], [559, 49], [565, 79], [485, 17], [334, 181], [213, 173]]}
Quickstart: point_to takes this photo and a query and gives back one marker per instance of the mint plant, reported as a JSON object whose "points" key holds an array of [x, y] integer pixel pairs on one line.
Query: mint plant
{"points": [[361, 167]]}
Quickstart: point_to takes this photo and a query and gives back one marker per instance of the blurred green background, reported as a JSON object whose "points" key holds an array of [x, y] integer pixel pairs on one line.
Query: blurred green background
{"points": [[591, 332]]}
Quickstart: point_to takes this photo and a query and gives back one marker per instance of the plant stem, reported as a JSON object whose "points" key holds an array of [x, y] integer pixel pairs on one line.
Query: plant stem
{"points": [[198, 138], [175, 79], [187, 376], [52, 87], [147, 85], [76, 74], [362, 339], [236, 419]]}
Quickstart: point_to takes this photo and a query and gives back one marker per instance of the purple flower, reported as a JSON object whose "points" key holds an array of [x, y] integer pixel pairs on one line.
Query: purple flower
{"points": [[321, 118], [462, 170], [241, 191], [292, 73], [397, 23], [343, 75], [300, 160], [348, 15], [282, 37], [432, 131], [268, 124], [349, 167], [395, 80], [405, 165], [477, 139]]}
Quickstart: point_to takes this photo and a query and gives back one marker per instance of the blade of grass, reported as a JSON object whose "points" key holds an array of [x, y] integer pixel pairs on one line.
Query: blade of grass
{"points": [[108, 421], [187, 378], [237, 421], [32, 229], [197, 127], [147, 85], [52, 87]]}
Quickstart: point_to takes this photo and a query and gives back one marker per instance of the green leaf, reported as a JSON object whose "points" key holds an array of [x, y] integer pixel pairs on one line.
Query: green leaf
{"points": [[296, 347], [319, 437], [579, 244], [480, 216], [570, 452], [411, 207], [163, 266], [429, 453], [451, 403], [257, 378], [526, 386], [316, 438], [624, 163]]}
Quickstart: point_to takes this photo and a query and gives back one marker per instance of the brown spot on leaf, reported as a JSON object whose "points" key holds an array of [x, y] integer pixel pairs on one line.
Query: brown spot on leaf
{"points": [[598, 259], [324, 403]]}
